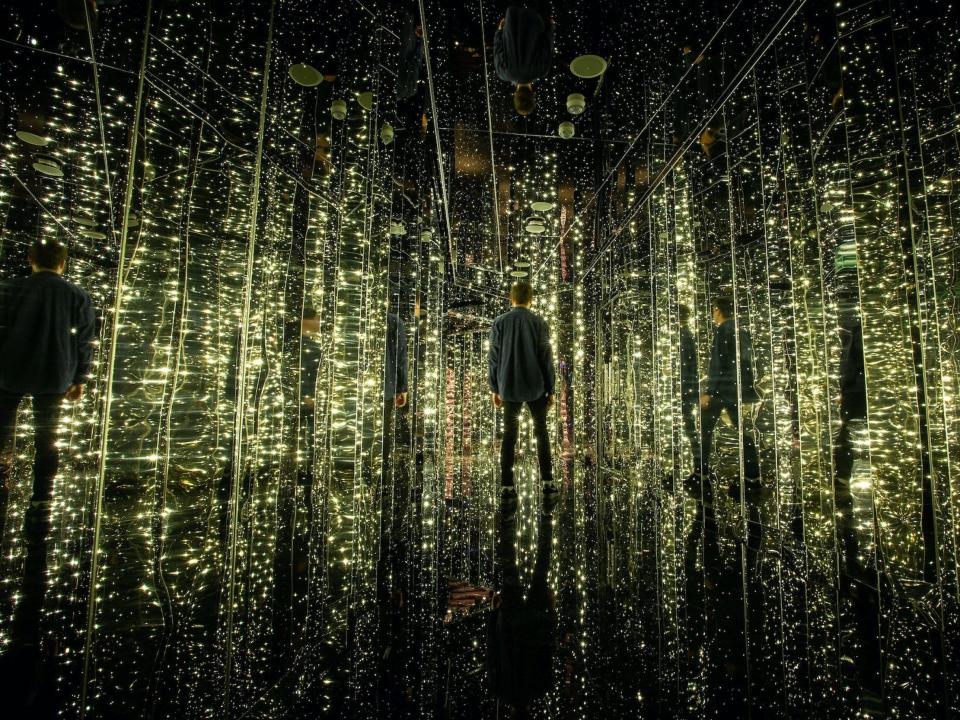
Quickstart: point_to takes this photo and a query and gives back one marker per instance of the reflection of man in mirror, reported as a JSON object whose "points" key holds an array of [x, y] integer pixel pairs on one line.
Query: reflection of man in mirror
{"points": [[689, 383], [411, 92], [301, 341], [297, 340], [309, 356], [730, 382], [523, 52], [410, 59], [394, 386], [521, 372], [47, 328], [853, 407], [395, 372], [300, 355], [522, 632], [395, 513]]}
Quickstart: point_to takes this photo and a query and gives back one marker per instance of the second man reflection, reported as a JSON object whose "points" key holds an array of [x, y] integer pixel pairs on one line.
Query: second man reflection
{"points": [[730, 383], [395, 508], [853, 407], [689, 383]]}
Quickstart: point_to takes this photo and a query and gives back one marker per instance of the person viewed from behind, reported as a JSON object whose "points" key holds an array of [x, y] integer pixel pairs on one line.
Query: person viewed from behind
{"points": [[521, 373], [523, 52], [47, 328]]}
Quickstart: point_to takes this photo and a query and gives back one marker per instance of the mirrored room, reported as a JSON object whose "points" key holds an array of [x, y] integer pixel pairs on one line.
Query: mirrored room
{"points": [[415, 359]]}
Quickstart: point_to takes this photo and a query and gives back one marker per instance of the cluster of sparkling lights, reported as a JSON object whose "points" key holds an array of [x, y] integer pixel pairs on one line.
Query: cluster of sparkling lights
{"points": [[231, 539]]}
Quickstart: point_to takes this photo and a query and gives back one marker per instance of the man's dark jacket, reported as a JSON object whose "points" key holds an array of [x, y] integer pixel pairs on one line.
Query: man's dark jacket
{"points": [[411, 55], [47, 327], [520, 360], [722, 379], [395, 371], [523, 47]]}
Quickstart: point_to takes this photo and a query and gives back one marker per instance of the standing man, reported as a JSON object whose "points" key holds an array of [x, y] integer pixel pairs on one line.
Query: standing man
{"points": [[521, 372], [47, 327], [523, 52], [726, 389]]}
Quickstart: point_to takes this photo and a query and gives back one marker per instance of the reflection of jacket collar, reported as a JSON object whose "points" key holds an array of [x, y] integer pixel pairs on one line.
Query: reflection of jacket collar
{"points": [[724, 327]]}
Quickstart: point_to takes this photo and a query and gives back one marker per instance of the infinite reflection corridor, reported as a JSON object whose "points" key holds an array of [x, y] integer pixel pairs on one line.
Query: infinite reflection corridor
{"points": [[249, 452]]}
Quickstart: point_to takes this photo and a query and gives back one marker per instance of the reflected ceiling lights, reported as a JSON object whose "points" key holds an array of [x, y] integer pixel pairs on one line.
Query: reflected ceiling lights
{"points": [[576, 103], [48, 166], [32, 138], [305, 75], [536, 226], [588, 66], [386, 133]]}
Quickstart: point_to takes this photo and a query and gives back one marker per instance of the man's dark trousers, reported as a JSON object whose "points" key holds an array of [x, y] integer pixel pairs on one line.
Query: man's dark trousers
{"points": [[751, 464], [708, 422], [46, 419], [511, 429]]}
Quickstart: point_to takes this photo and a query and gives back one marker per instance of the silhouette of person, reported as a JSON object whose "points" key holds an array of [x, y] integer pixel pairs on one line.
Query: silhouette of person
{"points": [[521, 373], [853, 407], [522, 633], [730, 383], [689, 384], [523, 52], [47, 328]]}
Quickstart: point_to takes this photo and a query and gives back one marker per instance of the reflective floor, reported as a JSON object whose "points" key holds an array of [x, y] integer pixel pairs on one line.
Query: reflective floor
{"points": [[279, 493]]}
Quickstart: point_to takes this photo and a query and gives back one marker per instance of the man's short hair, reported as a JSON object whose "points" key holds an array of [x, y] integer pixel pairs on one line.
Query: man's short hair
{"points": [[523, 100], [724, 303], [309, 313], [521, 293], [48, 254]]}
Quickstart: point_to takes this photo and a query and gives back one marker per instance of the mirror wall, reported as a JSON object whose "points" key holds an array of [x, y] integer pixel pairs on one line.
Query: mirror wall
{"points": [[289, 214]]}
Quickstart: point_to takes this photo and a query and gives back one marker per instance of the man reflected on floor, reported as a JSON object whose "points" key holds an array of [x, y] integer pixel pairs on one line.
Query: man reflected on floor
{"points": [[730, 385], [522, 629]]}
